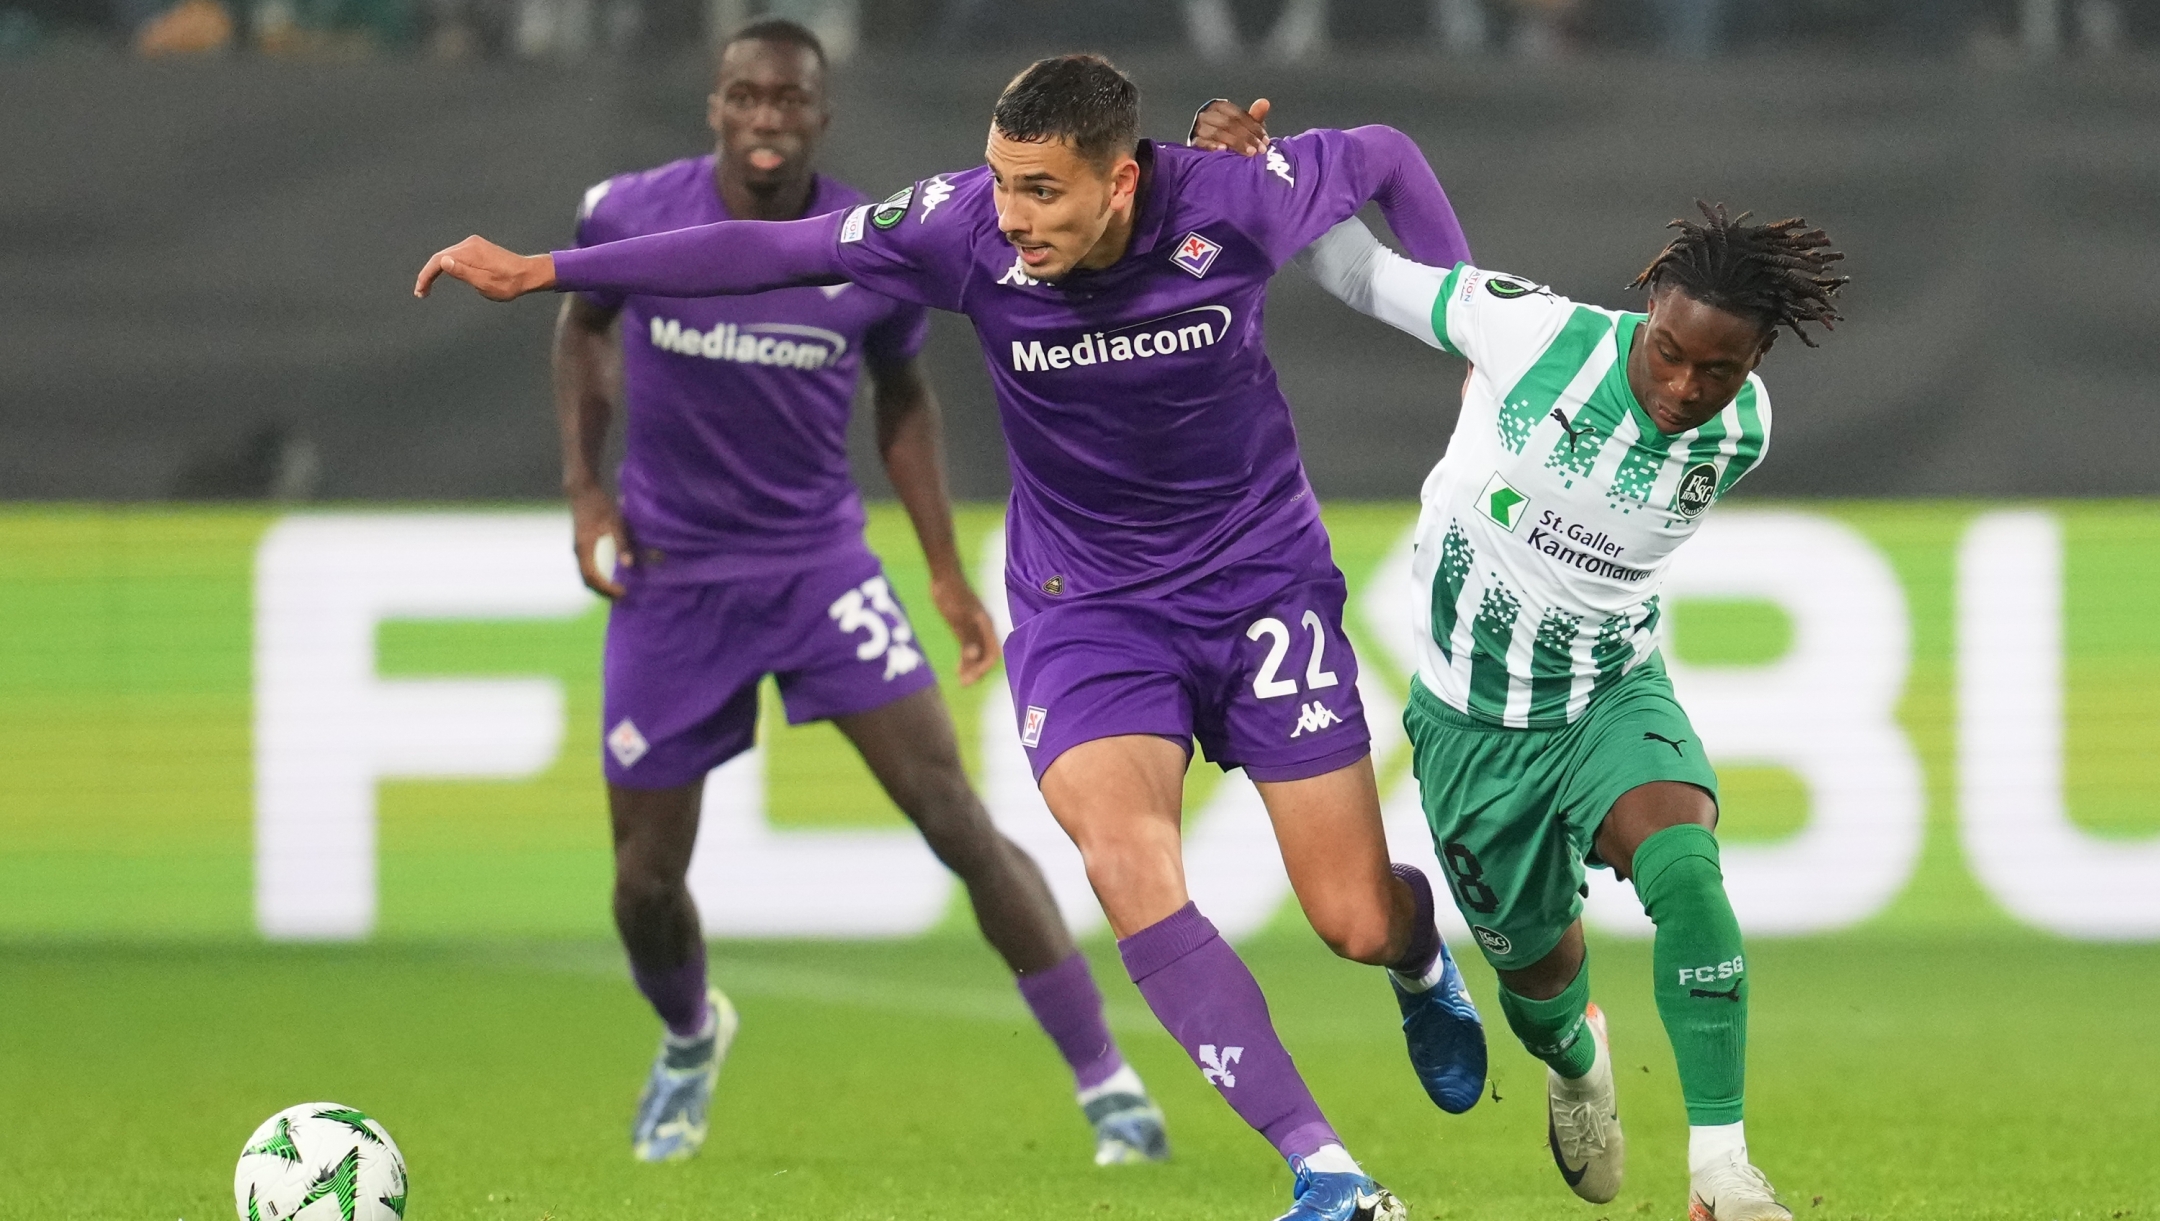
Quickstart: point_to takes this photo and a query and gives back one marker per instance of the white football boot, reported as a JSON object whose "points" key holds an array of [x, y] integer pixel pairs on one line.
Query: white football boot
{"points": [[1128, 1125], [671, 1113], [1730, 1189], [1582, 1123]]}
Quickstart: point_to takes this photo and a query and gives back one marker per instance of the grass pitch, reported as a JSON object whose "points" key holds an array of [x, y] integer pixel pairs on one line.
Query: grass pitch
{"points": [[1891, 1077]]}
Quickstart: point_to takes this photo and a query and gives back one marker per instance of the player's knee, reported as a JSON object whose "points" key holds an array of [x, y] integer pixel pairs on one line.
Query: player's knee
{"points": [[953, 823], [639, 893], [1356, 935], [1117, 865]]}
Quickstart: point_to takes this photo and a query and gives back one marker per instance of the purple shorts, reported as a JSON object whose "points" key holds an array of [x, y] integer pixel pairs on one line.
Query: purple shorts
{"points": [[1251, 661], [682, 665]]}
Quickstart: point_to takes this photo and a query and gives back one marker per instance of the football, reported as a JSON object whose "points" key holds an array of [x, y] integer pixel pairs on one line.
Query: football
{"points": [[320, 1160]]}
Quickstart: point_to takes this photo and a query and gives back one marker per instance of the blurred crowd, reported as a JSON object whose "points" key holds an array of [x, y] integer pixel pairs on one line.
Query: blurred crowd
{"points": [[1215, 30]]}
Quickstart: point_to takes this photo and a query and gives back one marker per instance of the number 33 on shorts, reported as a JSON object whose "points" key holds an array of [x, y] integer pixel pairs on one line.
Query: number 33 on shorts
{"points": [[1269, 682], [870, 608]]}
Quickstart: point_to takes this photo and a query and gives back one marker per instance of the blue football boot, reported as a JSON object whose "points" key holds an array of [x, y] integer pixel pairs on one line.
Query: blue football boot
{"points": [[1446, 1037], [670, 1123], [1344, 1196]]}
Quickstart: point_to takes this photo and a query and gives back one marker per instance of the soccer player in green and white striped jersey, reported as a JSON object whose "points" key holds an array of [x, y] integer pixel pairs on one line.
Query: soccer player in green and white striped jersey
{"points": [[1546, 734]]}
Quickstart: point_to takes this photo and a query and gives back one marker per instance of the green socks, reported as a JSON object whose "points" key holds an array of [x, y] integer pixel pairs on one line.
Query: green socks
{"points": [[1701, 983], [1555, 1031]]}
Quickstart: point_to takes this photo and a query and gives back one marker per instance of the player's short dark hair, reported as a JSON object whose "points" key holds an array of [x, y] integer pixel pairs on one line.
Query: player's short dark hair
{"points": [[1775, 274], [778, 31], [1081, 99]]}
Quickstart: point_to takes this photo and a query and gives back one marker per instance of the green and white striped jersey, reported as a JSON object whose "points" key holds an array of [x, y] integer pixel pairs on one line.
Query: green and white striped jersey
{"points": [[1548, 527]]}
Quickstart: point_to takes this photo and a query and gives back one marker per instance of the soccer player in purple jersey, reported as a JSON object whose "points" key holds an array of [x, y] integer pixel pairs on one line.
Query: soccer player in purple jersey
{"points": [[1169, 576], [738, 551]]}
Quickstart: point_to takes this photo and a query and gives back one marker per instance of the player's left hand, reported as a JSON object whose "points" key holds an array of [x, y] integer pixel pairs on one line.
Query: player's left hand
{"points": [[1222, 127], [498, 274], [971, 624]]}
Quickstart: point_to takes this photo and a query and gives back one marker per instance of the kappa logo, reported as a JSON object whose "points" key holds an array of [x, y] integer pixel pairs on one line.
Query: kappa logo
{"points": [[894, 208], [1314, 717], [593, 195], [1279, 165], [869, 608], [1698, 487], [934, 192], [1196, 254], [1031, 728], [1017, 275], [626, 743], [1215, 1065], [1502, 503]]}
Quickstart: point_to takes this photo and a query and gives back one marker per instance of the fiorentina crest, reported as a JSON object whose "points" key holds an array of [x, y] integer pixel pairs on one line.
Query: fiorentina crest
{"points": [[1196, 254]]}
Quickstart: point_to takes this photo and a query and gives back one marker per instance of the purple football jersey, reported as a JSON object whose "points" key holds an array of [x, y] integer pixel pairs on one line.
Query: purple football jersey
{"points": [[1150, 444], [735, 460]]}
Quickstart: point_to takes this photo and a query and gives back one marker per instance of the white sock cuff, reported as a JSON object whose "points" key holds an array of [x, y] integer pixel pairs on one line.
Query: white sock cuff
{"points": [[1123, 1081], [1332, 1159], [1709, 1144], [1422, 983]]}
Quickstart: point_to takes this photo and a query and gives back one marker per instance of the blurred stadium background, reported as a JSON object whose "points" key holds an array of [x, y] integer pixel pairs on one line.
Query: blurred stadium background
{"points": [[295, 651]]}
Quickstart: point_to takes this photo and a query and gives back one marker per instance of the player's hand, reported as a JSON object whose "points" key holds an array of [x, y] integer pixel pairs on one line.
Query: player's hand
{"points": [[602, 545], [1222, 127], [971, 624], [498, 274]]}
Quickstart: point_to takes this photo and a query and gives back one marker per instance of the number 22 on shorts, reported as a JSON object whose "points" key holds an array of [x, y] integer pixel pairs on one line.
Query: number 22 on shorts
{"points": [[1266, 684]]}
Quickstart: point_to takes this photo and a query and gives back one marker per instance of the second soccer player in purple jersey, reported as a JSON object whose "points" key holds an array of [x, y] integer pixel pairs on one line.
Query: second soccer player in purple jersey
{"points": [[738, 552], [1168, 572]]}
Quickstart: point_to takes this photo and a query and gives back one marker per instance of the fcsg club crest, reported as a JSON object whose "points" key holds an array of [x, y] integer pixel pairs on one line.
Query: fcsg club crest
{"points": [[1196, 254]]}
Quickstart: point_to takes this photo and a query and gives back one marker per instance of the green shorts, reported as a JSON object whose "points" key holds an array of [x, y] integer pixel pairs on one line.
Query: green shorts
{"points": [[1514, 812]]}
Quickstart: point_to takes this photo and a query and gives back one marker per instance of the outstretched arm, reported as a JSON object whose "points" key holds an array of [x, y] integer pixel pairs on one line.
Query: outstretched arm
{"points": [[1350, 263], [1392, 172], [1378, 164], [723, 259]]}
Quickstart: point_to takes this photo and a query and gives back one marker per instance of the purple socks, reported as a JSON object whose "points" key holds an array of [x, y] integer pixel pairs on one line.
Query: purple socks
{"points": [[677, 994], [1209, 1002], [1424, 934], [1070, 1011]]}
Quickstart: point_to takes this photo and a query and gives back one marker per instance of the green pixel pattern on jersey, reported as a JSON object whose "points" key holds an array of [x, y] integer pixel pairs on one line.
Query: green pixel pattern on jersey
{"points": [[1491, 633], [1535, 393], [1455, 558]]}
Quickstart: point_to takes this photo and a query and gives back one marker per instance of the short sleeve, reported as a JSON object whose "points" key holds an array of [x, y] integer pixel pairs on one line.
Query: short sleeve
{"points": [[899, 336], [1495, 321], [910, 248], [1296, 190], [592, 230]]}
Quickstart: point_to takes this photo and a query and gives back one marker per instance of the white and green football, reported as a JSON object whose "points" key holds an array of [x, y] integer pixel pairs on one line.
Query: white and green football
{"points": [[320, 1161]]}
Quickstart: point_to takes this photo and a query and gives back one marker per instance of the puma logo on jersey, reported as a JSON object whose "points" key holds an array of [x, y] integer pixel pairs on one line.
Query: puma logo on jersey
{"points": [[1279, 165], [1314, 717], [1215, 1065], [1574, 434], [1658, 737]]}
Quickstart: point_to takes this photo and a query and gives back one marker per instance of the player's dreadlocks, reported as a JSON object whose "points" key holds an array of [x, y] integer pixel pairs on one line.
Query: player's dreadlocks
{"points": [[1774, 273]]}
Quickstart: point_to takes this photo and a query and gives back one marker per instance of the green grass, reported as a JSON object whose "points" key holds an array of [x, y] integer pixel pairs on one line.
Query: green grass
{"points": [[1895, 1078]]}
